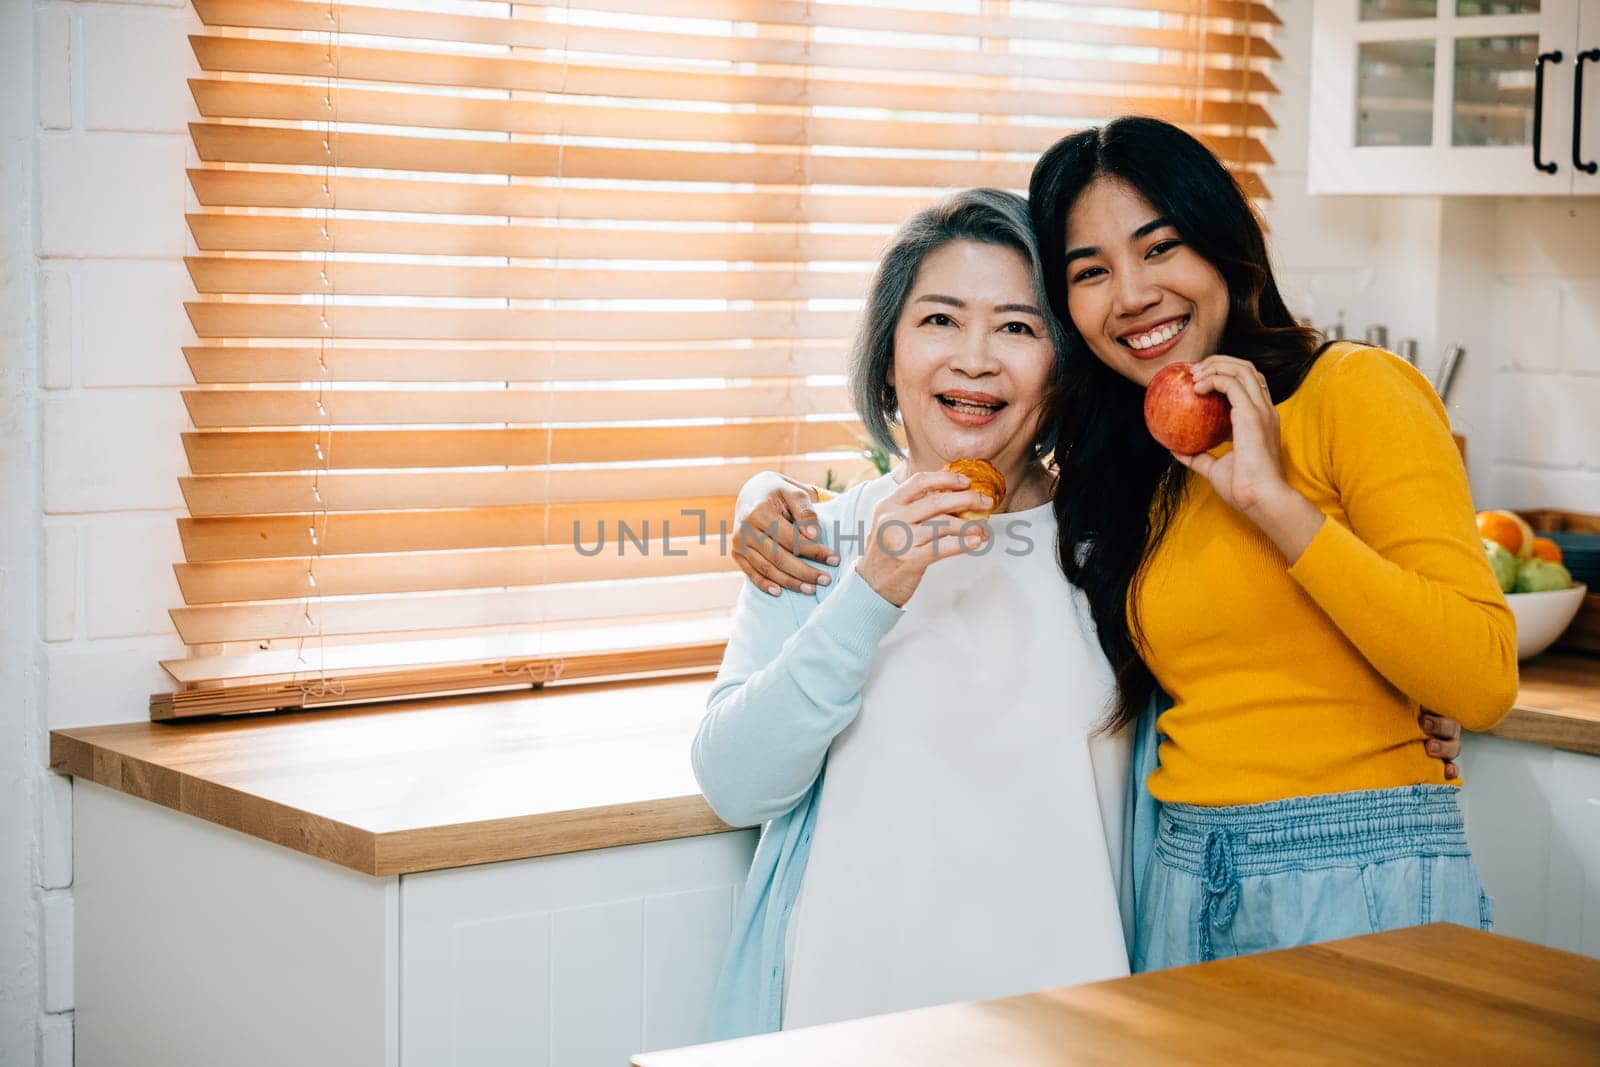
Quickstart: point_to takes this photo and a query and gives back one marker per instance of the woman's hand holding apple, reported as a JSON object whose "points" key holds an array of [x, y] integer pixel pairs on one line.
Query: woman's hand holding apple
{"points": [[915, 526], [1250, 476]]}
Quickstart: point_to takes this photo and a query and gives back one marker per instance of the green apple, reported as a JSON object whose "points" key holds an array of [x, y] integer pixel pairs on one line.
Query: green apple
{"points": [[1503, 562], [1541, 576]]}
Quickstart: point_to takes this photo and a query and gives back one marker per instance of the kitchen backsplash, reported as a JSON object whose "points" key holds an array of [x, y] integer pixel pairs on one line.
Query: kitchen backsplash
{"points": [[1547, 410]]}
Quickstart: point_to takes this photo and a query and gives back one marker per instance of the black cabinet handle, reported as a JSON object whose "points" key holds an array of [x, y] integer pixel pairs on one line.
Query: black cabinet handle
{"points": [[1538, 109], [1591, 56]]}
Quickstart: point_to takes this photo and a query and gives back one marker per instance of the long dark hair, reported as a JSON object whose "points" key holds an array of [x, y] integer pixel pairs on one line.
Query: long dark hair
{"points": [[1118, 490]]}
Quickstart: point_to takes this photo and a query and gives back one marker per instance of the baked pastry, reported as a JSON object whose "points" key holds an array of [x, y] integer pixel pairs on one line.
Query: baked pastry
{"points": [[986, 479]]}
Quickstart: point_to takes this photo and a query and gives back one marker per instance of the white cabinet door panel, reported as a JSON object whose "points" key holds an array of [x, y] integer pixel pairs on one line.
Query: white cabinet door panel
{"points": [[1533, 817], [1575, 853], [504, 1020], [567, 961], [679, 975], [1507, 804], [596, 982], [196, 944]]}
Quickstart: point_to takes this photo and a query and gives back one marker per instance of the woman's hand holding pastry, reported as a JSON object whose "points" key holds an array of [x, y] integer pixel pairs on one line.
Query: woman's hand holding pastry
{"points": [[915, 526], [1249, 477]]}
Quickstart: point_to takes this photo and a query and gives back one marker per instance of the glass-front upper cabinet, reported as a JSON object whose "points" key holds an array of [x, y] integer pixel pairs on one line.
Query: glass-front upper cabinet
{"points": [[1585, 136], [1454, 96]]}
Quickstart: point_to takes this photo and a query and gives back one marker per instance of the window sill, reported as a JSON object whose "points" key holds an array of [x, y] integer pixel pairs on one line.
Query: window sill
{"points": [[430, 784]]}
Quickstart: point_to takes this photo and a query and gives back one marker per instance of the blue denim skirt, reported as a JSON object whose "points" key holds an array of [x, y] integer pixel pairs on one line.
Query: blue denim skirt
{"points": [[1231, 881]]}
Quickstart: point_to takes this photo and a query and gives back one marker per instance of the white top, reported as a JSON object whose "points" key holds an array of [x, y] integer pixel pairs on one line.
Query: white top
{"points": [[969, 829]]}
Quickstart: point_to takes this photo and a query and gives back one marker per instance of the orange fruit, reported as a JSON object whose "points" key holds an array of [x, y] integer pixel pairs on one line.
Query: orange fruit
{"points": [[1546, 549], [1507, 529]]}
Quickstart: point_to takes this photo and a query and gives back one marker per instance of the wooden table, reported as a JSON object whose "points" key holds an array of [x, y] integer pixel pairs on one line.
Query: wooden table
{"points": [[1431, 994]]}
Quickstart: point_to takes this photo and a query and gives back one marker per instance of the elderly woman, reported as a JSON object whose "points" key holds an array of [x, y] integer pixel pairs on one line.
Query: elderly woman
{"points": [[942, 820]]}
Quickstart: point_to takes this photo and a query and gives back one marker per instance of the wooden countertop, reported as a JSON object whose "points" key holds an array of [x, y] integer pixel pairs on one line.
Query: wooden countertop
{"points": [[1431, 994], [425, 784], [1558, 705]]}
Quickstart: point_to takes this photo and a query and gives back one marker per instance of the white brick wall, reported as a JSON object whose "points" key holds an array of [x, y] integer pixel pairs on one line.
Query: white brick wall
{"points": [[55, 59], [118, 95], [55, 831], [134, 306], [112, 194], [127, 566], [60, 599], [55, 1041], [113, 450], [56, 916], [56, 316], [27, 102], [1547, 382], [1528, 326], [104, 106], [1580, 327], [110, 680]]}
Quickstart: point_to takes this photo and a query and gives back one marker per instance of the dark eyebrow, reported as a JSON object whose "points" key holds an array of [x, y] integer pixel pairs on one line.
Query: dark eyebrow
{"points": [[1151, 227], [940, 298], [1143, 231]]}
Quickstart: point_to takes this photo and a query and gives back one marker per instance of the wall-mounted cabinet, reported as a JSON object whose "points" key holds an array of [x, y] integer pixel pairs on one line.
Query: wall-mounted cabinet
{"points": [[1498, 97]]}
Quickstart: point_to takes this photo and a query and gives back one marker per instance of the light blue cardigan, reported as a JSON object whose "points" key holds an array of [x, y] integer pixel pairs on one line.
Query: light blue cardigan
{"points": [[791, 680]]}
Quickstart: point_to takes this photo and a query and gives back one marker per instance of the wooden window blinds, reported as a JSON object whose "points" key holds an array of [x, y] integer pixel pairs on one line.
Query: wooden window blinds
{"points": [[492, 297]]}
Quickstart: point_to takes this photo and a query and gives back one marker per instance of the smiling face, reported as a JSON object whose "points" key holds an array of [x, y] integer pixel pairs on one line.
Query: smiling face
{"points": [[1137, 293], [972, 359]]}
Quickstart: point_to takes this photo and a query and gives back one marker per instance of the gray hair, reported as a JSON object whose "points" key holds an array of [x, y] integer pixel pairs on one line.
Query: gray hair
{"points": [[984, 216]]}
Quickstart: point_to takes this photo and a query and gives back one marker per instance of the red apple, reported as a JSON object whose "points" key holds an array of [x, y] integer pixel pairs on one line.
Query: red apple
{"points": [[1181, 419]]}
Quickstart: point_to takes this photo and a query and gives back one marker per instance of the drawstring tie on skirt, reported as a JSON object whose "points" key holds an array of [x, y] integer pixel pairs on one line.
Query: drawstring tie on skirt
{"points": [[1221, 900]]}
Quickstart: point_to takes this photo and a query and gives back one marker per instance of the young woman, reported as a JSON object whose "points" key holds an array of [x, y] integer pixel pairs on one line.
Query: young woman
{"points": [[942, 820], [1322, 569]]}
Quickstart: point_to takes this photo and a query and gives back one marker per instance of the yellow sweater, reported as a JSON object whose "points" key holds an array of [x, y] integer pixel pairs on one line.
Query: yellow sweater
{"points": [[1293, 681]]}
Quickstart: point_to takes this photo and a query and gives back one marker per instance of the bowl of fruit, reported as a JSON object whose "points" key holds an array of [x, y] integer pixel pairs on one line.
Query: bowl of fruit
{"points": [[1538, 587]]}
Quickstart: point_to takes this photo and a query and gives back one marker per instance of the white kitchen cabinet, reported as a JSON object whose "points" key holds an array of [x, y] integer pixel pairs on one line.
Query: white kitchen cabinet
{"points": [[1533, 818], [1584, 151], [196, 944], [1574, 901], [1446, 96], [579, 959]]}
